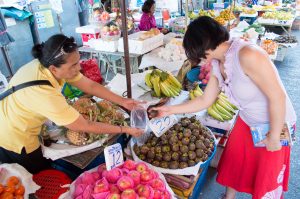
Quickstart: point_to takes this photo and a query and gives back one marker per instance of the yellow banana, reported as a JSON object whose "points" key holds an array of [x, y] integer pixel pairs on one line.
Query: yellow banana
{"points": [[197, 93], [192, 96], [225, 98], [198, 89], [174, 80], [214, 114], [165, 90], [155, 82], [147, 80]]}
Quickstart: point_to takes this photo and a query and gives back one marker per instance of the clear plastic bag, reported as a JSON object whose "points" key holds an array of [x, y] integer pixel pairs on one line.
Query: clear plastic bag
{"points": [[139, 119]]}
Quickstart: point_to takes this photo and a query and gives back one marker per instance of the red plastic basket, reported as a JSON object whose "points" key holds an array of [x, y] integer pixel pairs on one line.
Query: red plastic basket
{"points": [[51, 182]]}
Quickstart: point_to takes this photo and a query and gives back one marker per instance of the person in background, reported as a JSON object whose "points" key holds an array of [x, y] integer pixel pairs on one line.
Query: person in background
{"points": [[22, 113], [148, 20], [251, 81]]}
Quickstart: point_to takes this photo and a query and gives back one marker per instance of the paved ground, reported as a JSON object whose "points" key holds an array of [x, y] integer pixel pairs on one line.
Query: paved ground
{"points": [[289, 71]]}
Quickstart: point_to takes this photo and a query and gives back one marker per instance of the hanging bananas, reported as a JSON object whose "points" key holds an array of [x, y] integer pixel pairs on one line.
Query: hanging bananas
{"points": [[164, 84]]}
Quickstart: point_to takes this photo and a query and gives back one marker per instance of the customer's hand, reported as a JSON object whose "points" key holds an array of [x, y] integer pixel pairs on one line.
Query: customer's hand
{"points": [[131, 103], [272, 143], [135, 132], [161, 111]]}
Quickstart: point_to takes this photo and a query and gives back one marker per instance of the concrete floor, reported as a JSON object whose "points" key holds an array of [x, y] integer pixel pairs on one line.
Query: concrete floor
{"points": [[289, 70]]}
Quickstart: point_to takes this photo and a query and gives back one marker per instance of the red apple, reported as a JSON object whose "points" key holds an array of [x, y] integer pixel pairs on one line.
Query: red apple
{"points": [[113, 188], [125, 172], [158, 184], [156, 194], [201, 76], [145, 191], [100, 169], [135, 176], [113, 196], [128, 194], [129, 164], [101, 186], [125, 182], [141, 167], [114, 175]]}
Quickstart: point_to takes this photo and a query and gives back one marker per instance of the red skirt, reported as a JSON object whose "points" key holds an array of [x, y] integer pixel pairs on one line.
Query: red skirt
{"points": [[253, 170]]}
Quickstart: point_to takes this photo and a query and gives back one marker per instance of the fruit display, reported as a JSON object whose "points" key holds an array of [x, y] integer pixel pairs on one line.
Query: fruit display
{"points": [[13, 189], [269, 46], [130, 23], [286, 39], [184, 145], [148, 34], [173, 51], [102, 111], [101, 16], [222, 110], [129, 181], [220, 20], [249, 12], [279, 15], [209, 13], [227, 15], [164, 84], [204, 73], [258, 28], [110, 32]]}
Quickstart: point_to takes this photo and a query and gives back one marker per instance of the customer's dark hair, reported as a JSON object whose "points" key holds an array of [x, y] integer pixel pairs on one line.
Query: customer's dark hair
{"points": [[203, 34], [147, 6], [46, 52]]}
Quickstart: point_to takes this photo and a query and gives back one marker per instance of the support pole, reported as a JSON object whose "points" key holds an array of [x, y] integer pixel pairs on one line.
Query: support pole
{"points": [[7, 63], [126, 49]]}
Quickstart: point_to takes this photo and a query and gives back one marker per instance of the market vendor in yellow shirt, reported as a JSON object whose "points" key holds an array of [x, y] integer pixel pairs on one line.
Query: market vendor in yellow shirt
{"points": [[23, 112]]}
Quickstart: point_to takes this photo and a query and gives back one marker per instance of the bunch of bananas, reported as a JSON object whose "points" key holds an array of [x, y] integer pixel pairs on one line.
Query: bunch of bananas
{"points": [[164, 84], [227, 15], [222, 109], [196, 92]]}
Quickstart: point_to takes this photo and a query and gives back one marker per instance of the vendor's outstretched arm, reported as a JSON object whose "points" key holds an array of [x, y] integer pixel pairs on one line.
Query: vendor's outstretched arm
{"points": [[90, 87]]}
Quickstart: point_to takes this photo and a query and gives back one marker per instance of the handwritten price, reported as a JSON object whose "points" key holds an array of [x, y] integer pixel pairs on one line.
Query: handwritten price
{"points": [[160, 126], [113, 156]]}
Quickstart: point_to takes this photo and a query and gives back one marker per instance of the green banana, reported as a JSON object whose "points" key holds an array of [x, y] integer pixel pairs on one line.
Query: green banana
{"points": [[175, 89], [217, 108], [225, 105], [155, 82], [224, 97], [214, 114], [222, 110], [147, 80]]}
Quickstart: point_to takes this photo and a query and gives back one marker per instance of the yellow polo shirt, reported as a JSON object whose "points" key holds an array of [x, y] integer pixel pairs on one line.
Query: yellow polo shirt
{"points": [[23, 112]]}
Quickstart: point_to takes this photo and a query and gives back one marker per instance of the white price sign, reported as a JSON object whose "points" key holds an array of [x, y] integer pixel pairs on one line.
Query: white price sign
{"points": [[113, 156], [160, 126]]}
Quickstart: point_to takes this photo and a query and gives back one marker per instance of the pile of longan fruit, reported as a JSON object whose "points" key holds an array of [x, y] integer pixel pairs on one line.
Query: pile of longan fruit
{"points": [[13, 189]]}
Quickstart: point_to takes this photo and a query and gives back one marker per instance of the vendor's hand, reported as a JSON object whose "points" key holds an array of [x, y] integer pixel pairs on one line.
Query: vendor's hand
{"points": [[135, 132], [162, 111], [131, 103], [272, 143]]}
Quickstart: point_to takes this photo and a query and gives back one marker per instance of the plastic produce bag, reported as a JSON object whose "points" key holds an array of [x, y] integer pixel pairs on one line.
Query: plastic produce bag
{"points": [[70, 91], [139, 119]]}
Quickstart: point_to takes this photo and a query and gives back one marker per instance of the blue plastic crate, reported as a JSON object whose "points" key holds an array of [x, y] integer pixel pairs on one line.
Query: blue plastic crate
{"points": [[192, 76]]}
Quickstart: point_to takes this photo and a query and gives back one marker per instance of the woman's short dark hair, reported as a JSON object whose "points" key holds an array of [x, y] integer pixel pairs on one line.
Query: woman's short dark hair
{"points": [[50, 52], [147, 6], [203, 34]]}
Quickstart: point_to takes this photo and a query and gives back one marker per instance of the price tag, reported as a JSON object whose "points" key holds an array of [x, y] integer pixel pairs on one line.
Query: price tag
{"points": [[113, 156], [160, 126]]}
